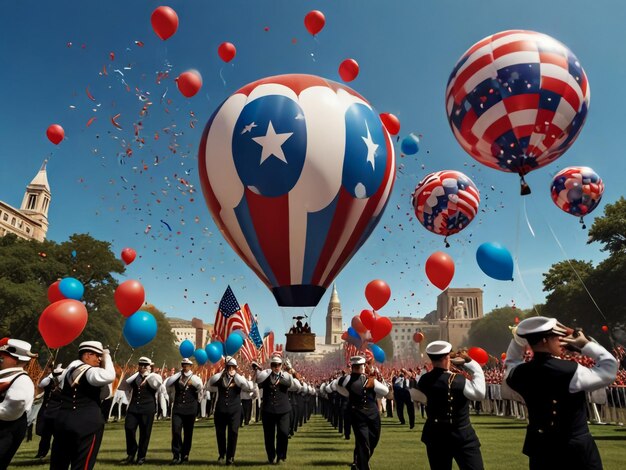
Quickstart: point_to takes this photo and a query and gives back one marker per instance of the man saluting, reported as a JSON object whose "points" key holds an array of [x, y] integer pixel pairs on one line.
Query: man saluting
{"points": [[79, 425], [144, 385], [554, 391], [16, 396], [362, 391]]}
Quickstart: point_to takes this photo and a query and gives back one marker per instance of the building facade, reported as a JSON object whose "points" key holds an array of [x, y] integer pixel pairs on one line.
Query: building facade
{"points": [[404, 346], [193, 330], [457, 308], [333, 319], [30, 221]]}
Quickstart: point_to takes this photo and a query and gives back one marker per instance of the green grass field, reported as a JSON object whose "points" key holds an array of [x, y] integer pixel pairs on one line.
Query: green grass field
{"points": [[318, 445]]}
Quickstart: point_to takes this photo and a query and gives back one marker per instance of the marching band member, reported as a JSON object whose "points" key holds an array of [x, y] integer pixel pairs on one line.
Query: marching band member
{"points": [[144, 385], [185, 387], [554, 391], [362, 389], [229, 385], [17, 392], [448, 432], [49, 408], [274, 384], [79, 424]]}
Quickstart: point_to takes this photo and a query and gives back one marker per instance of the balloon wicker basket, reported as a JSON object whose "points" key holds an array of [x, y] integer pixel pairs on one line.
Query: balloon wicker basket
{"points": [[300, 342]]}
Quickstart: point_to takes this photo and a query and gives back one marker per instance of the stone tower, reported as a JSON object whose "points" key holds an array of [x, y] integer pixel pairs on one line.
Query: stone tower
{"points": [[456, 310], [333, 319], [36, 202]]}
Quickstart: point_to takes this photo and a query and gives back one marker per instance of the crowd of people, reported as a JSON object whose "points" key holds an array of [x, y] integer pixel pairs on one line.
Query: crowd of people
{"points": [[79, 399]]}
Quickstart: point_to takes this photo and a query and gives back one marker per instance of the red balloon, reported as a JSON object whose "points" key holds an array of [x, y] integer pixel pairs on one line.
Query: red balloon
{"points": [[368, 318], [348, 70], [358, 325], [418, 337], [164, 22], [129, 297], [377, 293], [62, 322], [344, 335], [605, 328], [440, 269], [128, 255], [227, 51], [391, 122], [55, 134], [54, 294], [189, 83], [503, 356], [314, 21], [382, 327], [479, 355]]}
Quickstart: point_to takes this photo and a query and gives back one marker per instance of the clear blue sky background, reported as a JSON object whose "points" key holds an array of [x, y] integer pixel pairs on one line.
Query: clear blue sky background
{"points": [[405, 49]]}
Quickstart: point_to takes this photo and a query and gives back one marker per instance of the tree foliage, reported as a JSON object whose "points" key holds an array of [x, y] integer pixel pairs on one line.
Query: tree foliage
{"points": [[610, 229], [492, 332], [27, 268]]}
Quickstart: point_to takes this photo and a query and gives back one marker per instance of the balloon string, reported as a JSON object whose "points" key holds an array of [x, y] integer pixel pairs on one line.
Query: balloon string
{"points": [[532, 232], [517, 250], [222, 75], [558, 242]]}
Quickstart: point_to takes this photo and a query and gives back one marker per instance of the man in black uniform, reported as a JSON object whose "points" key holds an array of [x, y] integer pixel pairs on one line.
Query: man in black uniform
{"points": [[144, 385], [186, 388], [554, 391], [79, 424], [16, 396], [448, 432], [275, 408], [362, 388], [48, 411], [228, 384]]}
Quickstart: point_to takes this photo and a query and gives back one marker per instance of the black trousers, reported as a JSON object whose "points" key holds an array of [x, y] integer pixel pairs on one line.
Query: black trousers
{"points": [[11, 435], [144, 423], [182, 424], [400, 407], [247, 411], [366, 434], [389, 406], [257, 410], [347, 424], [45, 429], [77, 451], [276, 434], [232, 422], [467, 457]]}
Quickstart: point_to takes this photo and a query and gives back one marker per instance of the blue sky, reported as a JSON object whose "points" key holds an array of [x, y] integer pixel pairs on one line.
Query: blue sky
{"points": [[52, 52]]}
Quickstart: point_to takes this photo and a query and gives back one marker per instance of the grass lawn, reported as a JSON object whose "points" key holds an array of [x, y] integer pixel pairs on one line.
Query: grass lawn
{"points": [[317, 445]]}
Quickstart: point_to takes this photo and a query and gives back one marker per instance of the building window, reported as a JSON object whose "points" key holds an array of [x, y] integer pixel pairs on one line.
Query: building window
{"points": [[45, 204], [20, 224], [32, 201], [13, 221], [5, 217], [27, 229]]}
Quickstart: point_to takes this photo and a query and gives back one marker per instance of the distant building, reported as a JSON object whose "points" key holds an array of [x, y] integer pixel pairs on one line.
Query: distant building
{"points": [[402, 336], [333, 319], [457, 309], [30, 221], [193, 330]]}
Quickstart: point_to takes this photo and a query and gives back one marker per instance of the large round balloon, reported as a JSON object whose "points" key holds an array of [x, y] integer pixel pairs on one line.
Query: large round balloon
{"points": [[577, 190], [296, 171], [186, 348], [517, 100], [495, 261], [62, 322], [129, 296], [446, 202], [140, 328]]}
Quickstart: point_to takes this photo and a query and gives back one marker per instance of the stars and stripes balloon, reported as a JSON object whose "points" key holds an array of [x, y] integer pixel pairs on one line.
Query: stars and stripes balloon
{"points": [[517, 100], [445, 202], [296, 171], [577, 190]]}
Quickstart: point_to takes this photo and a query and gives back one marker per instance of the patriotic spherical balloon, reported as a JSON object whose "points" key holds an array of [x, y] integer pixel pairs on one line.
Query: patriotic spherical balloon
{"points": [[445, 202], [296, 171], [517, 100], [577, 190]]}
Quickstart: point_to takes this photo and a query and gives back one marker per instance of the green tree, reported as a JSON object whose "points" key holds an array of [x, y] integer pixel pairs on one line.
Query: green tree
{"points": [[492, 332], [610, 229]]}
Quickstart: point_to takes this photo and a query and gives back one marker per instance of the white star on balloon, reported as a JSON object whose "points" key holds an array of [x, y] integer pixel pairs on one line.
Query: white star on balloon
{"points": [[248, 128], [371, 147], [272, 144]]}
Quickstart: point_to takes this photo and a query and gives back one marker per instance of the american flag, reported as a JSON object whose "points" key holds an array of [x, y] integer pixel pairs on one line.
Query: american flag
{"points": [[268, 346], [229, 316], [254, 334]]}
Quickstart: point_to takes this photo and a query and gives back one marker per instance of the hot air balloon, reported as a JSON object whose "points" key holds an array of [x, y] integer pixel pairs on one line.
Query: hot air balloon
{"points": [[296, 171], [577, 190], [517, 100], [445, 202]]}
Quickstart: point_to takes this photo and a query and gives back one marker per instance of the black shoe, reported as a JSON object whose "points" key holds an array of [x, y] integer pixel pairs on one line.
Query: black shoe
{"points": [[411, 426], [220, 460], [141, 461], [185, 459], [39, 456], [175, 461], [230, 461], [347, 438], [271, 461], [129, 460]]}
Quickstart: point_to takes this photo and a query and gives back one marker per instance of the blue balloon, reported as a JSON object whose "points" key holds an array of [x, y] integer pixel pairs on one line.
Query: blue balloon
{"points": [[410, 144], [377, 351], [214, 352], [201, 356], [240, 333], [495, 261], [219, 345], [233, 343], [352, 332], [73, 253], [186, 348], [71, 288], [140, 328]]}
